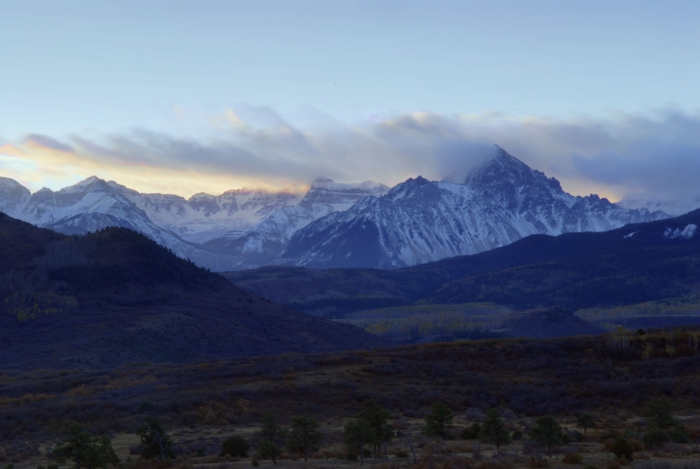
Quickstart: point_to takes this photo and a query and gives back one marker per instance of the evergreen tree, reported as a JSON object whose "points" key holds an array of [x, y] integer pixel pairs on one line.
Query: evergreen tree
{"points": [[234, 446], [622, 448], [356, 435], [104, 447], [439, 422], [83, 449], [493, 430], [659, 413], [662, 425], [270, 430], [585, 421], [376, 418], [304, 436], [548, 432], [154, 441], [270, 438], [472, 431], [269, 450]]}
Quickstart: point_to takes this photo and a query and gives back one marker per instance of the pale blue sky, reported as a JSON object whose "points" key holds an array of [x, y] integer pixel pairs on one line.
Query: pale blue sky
{"points": [[571, 79], [107, 65]]}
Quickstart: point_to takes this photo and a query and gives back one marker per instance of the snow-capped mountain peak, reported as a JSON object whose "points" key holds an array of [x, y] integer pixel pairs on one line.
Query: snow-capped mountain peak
{"points": [[13, 196], [339, 196], [333, 224], [263, 243], [421, 221]]}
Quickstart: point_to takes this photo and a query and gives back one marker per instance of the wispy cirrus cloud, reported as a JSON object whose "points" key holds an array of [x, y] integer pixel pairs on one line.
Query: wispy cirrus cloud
{"points": [[653, 155]]}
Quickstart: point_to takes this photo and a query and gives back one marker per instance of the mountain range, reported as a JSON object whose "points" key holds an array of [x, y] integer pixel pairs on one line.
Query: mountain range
{"points": [[421, 221], [235, 230], [333, 225]]}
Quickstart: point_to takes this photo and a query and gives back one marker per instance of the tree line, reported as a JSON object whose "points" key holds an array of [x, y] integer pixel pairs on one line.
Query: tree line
{"points": [[364, 436]]}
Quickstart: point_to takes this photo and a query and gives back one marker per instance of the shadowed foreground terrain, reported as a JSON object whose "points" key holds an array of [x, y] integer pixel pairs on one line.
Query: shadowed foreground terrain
{"points": [[201, 404], [115, 297]]}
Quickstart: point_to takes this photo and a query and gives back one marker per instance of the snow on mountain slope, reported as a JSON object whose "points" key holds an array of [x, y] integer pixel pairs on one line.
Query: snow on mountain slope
{"points": [[334, 224], [672, 207], [13, 196], [204, 217], [94, 204], [262, 244], [420, 221], [259, 221]]}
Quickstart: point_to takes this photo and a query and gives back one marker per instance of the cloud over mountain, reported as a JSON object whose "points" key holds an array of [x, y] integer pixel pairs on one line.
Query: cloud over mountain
{"points": [[649, 155]]}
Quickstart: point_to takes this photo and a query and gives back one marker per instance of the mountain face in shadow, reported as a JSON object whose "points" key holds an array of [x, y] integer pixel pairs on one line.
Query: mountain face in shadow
{"points": [[114, 297], [633, 264]]}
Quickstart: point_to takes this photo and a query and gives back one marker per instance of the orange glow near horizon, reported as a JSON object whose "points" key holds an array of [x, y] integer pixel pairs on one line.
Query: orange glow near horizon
{"points": [[37, 166]]}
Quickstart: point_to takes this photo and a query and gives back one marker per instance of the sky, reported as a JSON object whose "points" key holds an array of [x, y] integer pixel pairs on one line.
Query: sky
{"points": [[204, 96]]}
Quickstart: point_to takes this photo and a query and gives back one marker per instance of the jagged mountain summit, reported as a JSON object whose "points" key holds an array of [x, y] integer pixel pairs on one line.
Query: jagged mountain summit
{"points": [[262, 244], [197, 219], [239, 228], [421, 221], [13, 196], [94, 204]]}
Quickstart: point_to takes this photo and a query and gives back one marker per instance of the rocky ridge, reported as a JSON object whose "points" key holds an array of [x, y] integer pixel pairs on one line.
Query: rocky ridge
{"points": [[421, 221]]}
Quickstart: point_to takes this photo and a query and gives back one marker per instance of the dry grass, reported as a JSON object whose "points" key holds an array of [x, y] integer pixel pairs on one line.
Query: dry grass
{"points": [[202, 404]]}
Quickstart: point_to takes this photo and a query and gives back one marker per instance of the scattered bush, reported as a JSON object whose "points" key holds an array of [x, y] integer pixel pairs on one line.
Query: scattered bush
{"points": [[234, 446], [573, 458], [621, 448], [269, 450], [471, 432]]}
